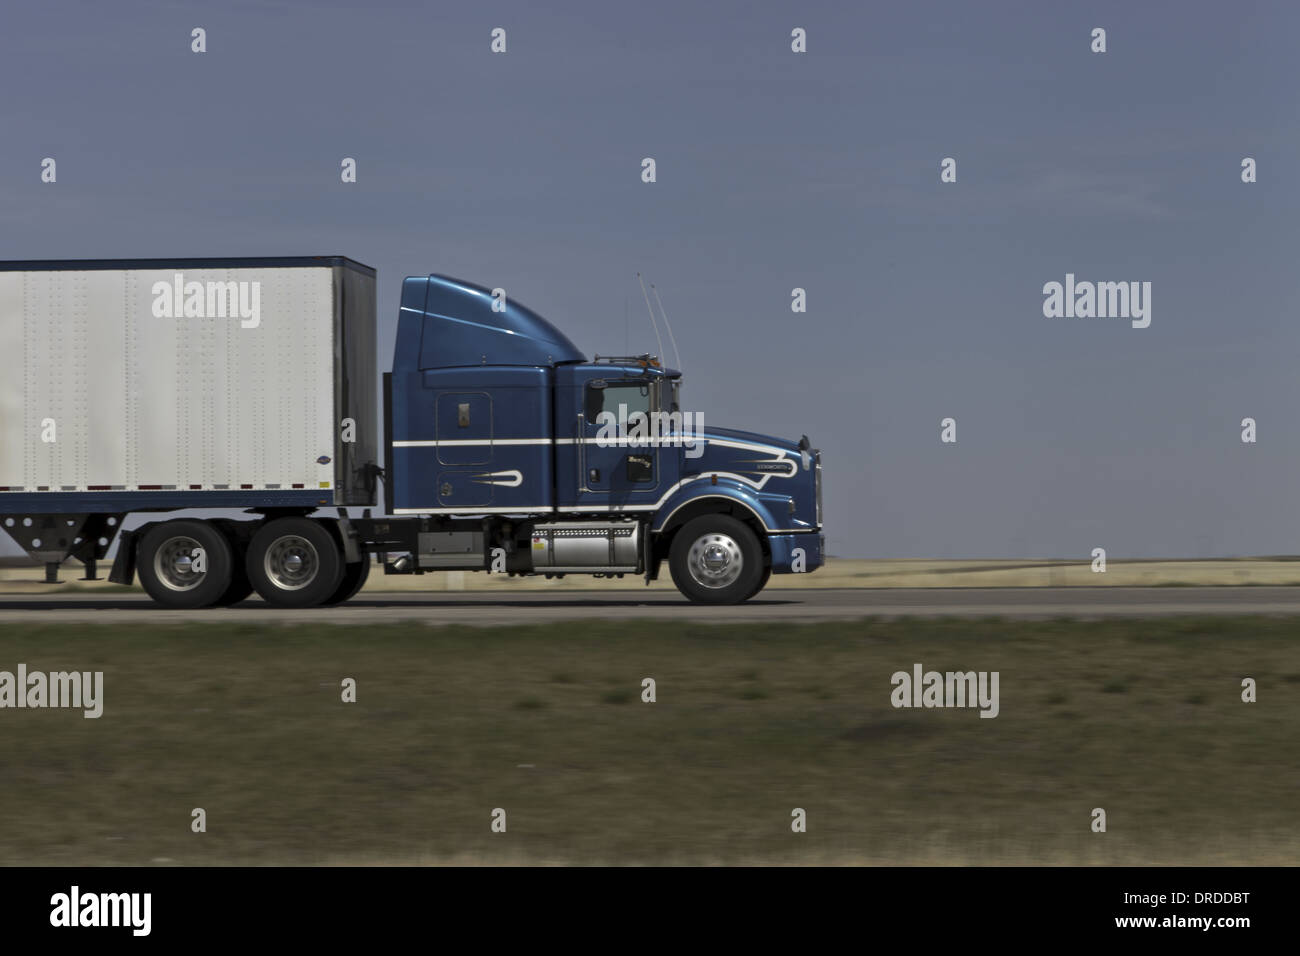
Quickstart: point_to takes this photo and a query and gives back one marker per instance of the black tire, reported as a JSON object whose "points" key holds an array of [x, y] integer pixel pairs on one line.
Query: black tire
{"points": [[353, 580], [294, 562], [166, 557], [762, 582], [240, 587], [716, 559]]}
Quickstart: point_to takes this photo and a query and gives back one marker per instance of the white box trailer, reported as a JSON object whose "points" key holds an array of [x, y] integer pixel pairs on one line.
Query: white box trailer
{"points": [[133, 385]]}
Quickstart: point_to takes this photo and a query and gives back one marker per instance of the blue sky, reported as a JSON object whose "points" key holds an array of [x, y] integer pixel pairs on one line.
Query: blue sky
{"points": [[775, 170]]}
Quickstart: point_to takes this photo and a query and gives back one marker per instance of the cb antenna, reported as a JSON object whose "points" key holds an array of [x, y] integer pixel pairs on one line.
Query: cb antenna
{"points": [[676, 355], [652, 314]]}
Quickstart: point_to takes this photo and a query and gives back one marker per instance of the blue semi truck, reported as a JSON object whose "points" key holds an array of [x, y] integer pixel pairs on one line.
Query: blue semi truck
{"points": [[250, 384]]}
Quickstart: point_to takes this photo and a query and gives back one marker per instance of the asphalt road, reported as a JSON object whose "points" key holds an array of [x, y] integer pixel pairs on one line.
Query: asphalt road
{"points": [[526, 607]]}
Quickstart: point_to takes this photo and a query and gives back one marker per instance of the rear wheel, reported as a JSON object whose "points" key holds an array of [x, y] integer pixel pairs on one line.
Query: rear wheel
{"points": [[185, 564], [240, 587], [294, 562], [354, 578], [716, 559]]}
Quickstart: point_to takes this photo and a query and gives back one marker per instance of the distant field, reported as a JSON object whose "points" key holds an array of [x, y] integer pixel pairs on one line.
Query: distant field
{"points": [[839, 573], [1142, 718]]}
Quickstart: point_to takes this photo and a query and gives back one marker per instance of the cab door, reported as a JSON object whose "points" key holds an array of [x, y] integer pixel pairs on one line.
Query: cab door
{"points": [[619, 451]]}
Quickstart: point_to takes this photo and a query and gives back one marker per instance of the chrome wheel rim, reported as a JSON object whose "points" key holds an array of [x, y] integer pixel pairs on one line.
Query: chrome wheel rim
{"points": [[291, 562], [715, 560], [173, 564]]}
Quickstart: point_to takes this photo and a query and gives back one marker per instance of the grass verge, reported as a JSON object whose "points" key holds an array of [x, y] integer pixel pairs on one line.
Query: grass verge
{"points": [[1143, 718]]}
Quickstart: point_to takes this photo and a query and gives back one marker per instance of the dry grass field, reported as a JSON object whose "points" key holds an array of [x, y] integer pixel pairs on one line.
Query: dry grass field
{"points": [[838, 573], [1142, 718]]}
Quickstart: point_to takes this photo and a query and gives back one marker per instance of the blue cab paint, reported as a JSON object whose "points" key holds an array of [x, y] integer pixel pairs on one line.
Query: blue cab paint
{"points": [[489, 414]]}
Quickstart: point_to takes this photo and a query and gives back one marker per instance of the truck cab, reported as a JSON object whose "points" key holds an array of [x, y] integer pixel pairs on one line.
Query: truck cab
{"points": [[521, 455]]}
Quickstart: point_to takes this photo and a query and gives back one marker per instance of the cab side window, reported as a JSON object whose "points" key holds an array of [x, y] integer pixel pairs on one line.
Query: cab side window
{"points": [[620, 399]]}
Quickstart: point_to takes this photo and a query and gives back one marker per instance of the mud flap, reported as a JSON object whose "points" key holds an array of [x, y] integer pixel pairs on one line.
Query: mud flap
{"points": [[124, 564], [352, 552], [648, 561]]}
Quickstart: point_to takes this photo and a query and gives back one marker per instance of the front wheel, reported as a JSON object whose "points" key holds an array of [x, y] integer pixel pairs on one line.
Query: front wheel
{"points": [[716, 559]]}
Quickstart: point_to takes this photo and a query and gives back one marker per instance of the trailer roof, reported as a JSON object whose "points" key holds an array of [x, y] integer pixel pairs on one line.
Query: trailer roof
{"points": [[272, 262]]}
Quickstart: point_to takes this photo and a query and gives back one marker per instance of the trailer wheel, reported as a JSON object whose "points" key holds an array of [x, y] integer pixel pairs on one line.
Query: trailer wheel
{"points": [[716, 559], [240, 587], [294, 562], [354, 578], [185, 564]]}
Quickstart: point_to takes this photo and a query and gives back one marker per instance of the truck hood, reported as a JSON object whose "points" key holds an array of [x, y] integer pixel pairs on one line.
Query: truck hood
{"points": [[750, 454], [737, 436]]}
